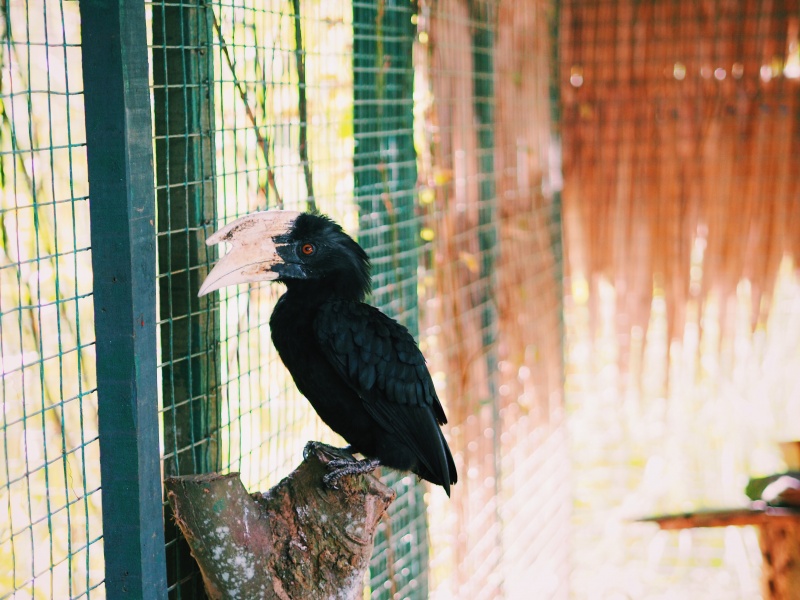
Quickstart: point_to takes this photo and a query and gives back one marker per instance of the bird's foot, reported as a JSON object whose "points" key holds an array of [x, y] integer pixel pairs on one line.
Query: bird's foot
{"points": [[313, 447], [309, 449], [340, 467]]}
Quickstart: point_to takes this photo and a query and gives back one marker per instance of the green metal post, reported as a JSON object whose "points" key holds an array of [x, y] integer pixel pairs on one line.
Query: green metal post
{"points": [[555, 176], [120, 167], [386, 176], [184, 147], [483, 13]]}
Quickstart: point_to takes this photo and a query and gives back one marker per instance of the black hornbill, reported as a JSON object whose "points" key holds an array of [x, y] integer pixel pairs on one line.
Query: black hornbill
{"points": [[361, 370]]}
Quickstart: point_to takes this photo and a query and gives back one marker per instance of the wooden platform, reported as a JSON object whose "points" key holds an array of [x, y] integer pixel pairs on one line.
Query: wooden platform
{"points": [[779, 538]]}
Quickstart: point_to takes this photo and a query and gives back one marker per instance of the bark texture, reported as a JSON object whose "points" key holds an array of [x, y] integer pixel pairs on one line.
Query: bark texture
{"points": [[298, 540]]}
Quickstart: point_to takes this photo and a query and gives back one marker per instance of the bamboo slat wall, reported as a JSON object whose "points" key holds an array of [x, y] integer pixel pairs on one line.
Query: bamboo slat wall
{"points": [[680, 136]]}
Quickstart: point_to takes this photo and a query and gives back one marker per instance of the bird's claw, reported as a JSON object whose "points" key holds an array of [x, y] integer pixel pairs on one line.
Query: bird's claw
{"points": [[330, 481], [340, 467], [309, 448]]}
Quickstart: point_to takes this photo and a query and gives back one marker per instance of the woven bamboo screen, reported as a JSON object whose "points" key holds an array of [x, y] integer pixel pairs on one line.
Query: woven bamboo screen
{"points": [[680, 124], [681, 155]]}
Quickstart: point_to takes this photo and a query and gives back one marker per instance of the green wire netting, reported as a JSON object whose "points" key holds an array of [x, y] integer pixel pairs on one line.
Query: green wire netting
{"points": [[50, 528], [390, 117]]}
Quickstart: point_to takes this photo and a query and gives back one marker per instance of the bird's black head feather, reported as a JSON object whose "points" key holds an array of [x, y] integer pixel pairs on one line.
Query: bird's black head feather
{"points": [[317, 252]]}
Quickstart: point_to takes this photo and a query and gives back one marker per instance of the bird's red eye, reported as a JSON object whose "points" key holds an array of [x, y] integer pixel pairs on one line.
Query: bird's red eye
{"points": [[307, 249]]}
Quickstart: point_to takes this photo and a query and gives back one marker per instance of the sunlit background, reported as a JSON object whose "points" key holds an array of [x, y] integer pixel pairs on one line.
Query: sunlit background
{"points": [[588, 214], [682, 307]]}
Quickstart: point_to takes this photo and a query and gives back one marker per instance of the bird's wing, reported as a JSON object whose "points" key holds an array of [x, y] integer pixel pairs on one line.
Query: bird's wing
{"points": [[380, 360]]}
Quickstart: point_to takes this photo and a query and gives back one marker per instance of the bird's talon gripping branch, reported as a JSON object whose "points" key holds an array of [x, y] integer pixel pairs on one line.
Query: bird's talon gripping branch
{"points": [[309, 448], [330, 483], [339, 463], [340, 467]]}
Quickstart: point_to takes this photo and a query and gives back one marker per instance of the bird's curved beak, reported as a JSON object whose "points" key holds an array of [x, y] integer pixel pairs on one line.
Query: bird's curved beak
{"points": [[253, 252]]}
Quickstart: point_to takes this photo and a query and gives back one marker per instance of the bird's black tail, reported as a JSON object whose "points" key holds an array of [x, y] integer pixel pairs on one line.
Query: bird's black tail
{"points": [[444, 479]]}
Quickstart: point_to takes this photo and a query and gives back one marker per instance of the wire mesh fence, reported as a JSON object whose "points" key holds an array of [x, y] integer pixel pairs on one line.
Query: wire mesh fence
{"points": [[402, 121], [430, 130], [51, 530], [299, 121]]}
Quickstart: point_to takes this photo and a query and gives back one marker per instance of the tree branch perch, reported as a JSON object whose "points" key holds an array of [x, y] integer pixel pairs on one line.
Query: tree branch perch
{"points": [[299, 540]]}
